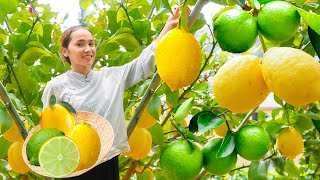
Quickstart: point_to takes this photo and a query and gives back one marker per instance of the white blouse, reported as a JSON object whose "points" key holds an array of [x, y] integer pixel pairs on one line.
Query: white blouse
{"points": [[102, 91]]}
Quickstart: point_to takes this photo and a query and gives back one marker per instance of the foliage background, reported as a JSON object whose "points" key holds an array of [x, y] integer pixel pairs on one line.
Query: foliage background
{"points": [[29, 57]]}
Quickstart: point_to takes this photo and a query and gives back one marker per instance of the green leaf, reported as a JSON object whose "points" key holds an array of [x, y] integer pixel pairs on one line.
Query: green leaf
{"points": [[278, 163], [183, 110], [312, 115], [154, 106], [19, 42], [301, 122], [193, 125], [291, 169], [111, 2], [315, 40], [172, 96], [8, 6], [69, 107], [184, 18], [84, 4], [52, 101], [146, 175], [4, 146], [157, 3], [209, 120], [227, 146], [316, 125], [157, 134], [272, 127], [3, 36], [126, 40], [258, 170], [32, 54], [278, 100], [166, 5], [5, 120], [311, 19], [224, 2], [198, 24]]}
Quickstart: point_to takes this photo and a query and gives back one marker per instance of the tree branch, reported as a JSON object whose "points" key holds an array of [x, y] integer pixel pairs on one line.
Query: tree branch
{"points": [[246, 119], [12, 111]]}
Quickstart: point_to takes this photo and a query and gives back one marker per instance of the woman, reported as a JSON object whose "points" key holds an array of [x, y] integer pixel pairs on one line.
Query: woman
{"points": [[102, 91]]}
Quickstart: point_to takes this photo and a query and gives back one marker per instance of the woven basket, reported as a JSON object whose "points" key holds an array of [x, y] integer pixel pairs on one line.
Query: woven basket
{"points": [[100, 124]]}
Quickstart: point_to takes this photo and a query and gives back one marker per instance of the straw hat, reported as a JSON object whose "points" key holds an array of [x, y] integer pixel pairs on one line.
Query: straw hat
{"points": [[100, 124]]}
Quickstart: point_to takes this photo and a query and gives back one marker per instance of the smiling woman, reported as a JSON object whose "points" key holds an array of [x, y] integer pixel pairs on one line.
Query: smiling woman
{"points": [[78, 49]]}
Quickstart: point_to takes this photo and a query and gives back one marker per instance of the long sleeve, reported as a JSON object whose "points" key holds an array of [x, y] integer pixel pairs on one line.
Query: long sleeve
{"points": [[141, 67], [47, 93]]}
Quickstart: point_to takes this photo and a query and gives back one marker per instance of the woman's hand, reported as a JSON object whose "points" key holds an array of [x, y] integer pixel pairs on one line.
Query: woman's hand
{"points": [[171, 23]]}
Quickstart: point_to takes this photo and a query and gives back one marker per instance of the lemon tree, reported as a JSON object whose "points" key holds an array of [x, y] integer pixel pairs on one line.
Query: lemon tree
{"points": [[221, 31]]}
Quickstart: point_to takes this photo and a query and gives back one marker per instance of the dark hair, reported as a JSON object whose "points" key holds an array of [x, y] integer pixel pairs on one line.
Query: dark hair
{"points": [[66, 38]]}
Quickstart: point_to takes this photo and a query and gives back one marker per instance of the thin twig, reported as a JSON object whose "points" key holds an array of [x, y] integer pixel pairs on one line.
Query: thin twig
{"points": [[246, 119], [204, 172], [262, 42]]}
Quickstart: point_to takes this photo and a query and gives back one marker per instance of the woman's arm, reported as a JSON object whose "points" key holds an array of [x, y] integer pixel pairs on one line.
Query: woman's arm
{"points": [[171, 23]]}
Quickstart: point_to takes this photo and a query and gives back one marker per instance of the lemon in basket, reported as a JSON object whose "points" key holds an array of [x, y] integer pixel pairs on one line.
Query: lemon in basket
{"points": [[59, 156], [88, 142], [36, 141]]}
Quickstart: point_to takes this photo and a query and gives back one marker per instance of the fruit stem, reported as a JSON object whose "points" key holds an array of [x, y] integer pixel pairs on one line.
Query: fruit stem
{"points": [[262, 42], [246, 118], [4, 97], [130, 170], [204, 172]]}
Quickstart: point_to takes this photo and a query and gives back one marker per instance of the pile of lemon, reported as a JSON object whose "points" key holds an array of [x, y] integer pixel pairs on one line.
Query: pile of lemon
{"points": [[61, 146]]}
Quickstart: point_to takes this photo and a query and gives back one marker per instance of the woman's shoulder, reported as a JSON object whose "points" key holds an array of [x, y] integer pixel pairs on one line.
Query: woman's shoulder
{"points": [[58, 80]]}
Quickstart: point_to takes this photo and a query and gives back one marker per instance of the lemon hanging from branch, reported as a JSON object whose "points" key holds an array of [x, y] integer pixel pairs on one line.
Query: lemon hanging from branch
{"points": [[178, 58]]}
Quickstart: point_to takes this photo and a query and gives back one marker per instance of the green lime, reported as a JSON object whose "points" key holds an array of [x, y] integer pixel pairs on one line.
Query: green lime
{"points": [[214, 165], [252, 142], [235, 30], [59, 156], [181, 159], [36, 141], [278, 21]]}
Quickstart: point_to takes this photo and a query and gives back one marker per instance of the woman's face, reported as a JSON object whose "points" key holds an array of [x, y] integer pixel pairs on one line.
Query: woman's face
{"points": [[81, 51]]}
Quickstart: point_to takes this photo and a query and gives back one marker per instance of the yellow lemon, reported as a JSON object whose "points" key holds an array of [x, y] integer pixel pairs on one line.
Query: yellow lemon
{"points": [[88, 142], [146, 120], [57, 117], [140, 143], [239, 85], [292, 74], [15, 159], [221, 130], [178, 58], [290, 143], [13, 133]]}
